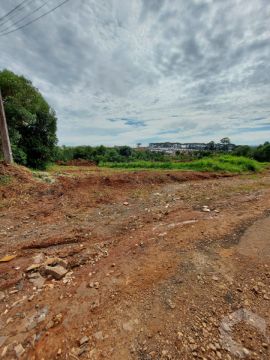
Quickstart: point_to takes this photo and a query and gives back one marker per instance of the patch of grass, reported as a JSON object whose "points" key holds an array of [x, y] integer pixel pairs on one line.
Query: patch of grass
{"points": [[224, 163], [5, 179]]}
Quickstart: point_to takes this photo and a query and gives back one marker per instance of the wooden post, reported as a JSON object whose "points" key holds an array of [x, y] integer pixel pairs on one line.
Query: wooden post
{"points": [[4, 134]]}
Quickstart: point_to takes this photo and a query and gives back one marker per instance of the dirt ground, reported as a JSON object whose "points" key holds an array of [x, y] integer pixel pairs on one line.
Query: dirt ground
{"points": [[158, 265]]}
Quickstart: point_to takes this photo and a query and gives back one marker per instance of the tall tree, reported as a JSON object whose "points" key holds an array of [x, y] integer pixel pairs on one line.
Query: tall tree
{"points": [[31, 121]]}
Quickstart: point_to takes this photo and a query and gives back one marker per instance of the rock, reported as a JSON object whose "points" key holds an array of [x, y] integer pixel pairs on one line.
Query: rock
{"points": [[50, 325], [19, 350], [56, 261], [170, 304], [79, 351], [57, 272], [38, 281], [128, 326], [39, 258], [180, 335], [246, 352], [125, 203], [84, 340], [57, 319], [266, 297], [98, 335], [2, 295], [215, 278], [33, 267]]}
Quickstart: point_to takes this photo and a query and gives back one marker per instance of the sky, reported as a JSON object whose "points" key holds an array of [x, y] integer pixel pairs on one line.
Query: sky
{"points": [[125, 72]]}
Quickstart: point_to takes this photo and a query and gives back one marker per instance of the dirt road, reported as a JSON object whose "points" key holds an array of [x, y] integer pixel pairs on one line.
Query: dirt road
{"points": [[158, 265]]}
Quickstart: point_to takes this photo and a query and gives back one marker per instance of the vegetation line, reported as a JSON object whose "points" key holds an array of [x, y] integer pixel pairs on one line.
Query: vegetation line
{"points": [[225, 163]]}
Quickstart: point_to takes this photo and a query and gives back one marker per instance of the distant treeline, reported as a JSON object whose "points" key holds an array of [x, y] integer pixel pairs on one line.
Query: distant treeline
{"points": [[260, 153], [102, 154], [106, 154]]}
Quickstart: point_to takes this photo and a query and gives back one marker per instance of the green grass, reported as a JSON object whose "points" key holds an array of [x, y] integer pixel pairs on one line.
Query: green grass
{"points": [[5, 179], [224, 163]]}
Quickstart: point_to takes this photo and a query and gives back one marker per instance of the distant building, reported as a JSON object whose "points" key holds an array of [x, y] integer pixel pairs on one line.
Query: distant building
{"points": [[171, 148]]}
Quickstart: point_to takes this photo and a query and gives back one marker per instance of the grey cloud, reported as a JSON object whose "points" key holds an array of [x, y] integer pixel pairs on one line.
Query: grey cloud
{"points": [[143, 62]]}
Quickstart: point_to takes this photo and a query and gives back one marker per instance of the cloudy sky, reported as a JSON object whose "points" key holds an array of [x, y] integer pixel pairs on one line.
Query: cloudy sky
{"points": [[122, 72]]}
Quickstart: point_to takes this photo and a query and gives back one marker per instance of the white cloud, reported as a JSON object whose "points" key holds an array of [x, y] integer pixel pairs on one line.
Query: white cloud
{"points": [[191, 70]]}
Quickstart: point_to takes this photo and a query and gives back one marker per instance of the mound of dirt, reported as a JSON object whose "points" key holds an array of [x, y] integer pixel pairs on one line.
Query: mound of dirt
{"points": [[15, 171]]}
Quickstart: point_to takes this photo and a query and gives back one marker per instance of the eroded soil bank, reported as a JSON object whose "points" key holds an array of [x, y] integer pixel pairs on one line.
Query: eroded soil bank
{"points": [[155, 263]]}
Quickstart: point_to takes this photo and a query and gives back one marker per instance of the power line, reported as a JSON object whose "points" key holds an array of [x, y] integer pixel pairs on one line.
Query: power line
{"points": [[34, 20], [12, 10], [23, 18], [13, 13]]}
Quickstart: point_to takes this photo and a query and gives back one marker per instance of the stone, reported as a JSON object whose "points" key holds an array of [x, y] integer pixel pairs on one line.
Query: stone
{"points": [[84, 340], [38, 281], [170, 304], [54, 261], [128, 326], [125, 203], [57, 272], [39, 258], [98, 335], [33, 267], [19, 350], [79, 351], [58, 318]]}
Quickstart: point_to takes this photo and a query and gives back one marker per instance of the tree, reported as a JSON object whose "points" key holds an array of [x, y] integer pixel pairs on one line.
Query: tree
{"points": [[125, 151], [262, 152], [31, 121], [211, 146], [225, 141], [243, 150]]}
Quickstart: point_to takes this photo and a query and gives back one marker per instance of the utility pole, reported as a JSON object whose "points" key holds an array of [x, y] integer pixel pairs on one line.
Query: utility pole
{"points": [[4, 134]]}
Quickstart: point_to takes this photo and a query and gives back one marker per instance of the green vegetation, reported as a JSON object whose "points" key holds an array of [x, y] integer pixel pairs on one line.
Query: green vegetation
{"points": [[5, 179], [107, 154], [31, 121], [225, 163], [129, 157], [260, 153]]}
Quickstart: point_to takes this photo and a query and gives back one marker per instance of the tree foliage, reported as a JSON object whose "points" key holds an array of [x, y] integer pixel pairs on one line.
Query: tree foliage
{"points": [[31, 121]]}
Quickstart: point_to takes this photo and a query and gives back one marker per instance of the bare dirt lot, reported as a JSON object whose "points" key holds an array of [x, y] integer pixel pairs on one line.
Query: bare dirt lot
{"points": [[134, 265]]}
